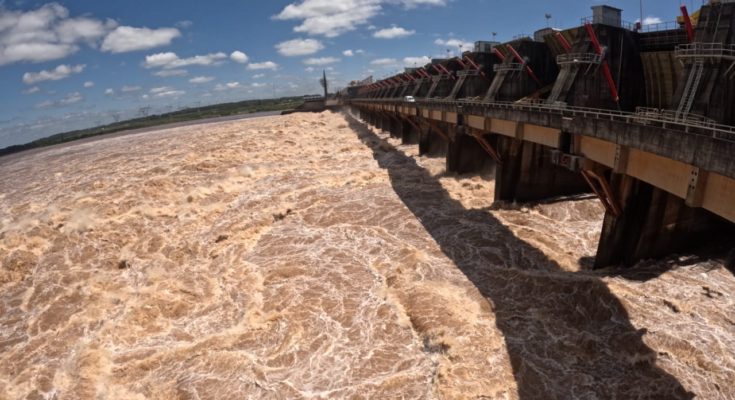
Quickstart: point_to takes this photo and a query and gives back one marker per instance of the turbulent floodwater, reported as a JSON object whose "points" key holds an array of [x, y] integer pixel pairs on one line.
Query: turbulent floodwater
{"points": [[307, 256]]}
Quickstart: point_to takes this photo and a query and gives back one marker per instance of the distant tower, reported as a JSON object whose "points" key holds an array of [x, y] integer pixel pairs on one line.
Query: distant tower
{"points": [[324, 83]]}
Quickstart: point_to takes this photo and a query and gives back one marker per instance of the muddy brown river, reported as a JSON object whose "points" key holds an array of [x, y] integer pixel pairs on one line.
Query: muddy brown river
{"points": [[310, 257]]}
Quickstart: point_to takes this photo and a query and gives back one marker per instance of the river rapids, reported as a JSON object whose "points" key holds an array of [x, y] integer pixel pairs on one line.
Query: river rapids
{"points": [[309, 256]]}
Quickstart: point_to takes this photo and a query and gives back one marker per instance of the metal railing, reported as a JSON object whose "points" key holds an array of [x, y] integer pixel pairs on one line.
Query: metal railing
{"points": [[468, 72], [706, 50], [579, 58], [507, 67], [713, 130], [661, 26], [671, 115]]}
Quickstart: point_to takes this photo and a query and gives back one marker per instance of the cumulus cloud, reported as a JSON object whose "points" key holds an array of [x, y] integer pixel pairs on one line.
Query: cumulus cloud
{"points": [[416, 61], [61, 72], [228, 86], [170, 60], [67, 100], [109, 92], [127, 38], [201, 79], [299, 47], [650, 20], [88, 84], [258, 76], [130, 89], [166, 91], [50, 33], [259, 85], [239, 57], [332, 18], [321, 61], [392, 33], [348, 53], [384, 61], [309, 69], [44, 34], [263, 65], [34, 89], [166, 73], [454, 43]]}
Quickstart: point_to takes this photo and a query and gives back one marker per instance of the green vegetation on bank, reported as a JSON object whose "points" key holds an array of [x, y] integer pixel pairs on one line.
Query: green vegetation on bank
{"points": [[189, 114]]}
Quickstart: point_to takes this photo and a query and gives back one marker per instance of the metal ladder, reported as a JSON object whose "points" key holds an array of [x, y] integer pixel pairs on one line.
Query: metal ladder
{"points": [[690, 89]]}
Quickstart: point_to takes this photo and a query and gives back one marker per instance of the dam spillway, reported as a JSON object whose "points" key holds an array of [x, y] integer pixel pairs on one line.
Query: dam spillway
{"points": [[640, 117]]}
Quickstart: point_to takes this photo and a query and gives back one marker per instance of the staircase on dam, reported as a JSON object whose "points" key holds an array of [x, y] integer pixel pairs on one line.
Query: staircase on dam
{"points": [[706, 87]]}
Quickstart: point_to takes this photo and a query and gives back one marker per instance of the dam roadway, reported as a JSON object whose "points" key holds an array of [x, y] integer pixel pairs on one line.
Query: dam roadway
{"points": [[665, 183]]}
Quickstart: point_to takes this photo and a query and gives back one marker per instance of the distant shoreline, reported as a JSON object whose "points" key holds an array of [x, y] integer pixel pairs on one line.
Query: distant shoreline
{"points": [[14, 156]]}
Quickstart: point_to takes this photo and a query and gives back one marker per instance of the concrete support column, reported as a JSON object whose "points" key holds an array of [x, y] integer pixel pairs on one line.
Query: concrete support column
{"points": [[409, 134], [527, 174], [465, 155], [382, 122], [431, 142], [395, 127], [652, 223]]}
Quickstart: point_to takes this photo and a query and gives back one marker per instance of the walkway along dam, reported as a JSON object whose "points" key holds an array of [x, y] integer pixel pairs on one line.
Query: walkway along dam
{"points": [[641, 116]]}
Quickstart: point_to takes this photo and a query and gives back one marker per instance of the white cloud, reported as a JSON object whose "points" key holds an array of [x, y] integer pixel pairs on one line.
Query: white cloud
{"points": [[454, 44], [651, 20], [348, 53], [263, 65], [309, 69], [71, 98], [299, 47], [170, 93], [393, 33], [321, 61], [201, 79], [88, 84], [228, 86], [416, 61], [67, 100], [127, 38], [384, 61], [259, 85], [166, 91], [170, 60], [166, 73], [109, 92], [32, 90], [61, 72], [239, 57], [44, 34], [258, 76], [50, 33], [328, 17], [130, 89], [332, 18]]}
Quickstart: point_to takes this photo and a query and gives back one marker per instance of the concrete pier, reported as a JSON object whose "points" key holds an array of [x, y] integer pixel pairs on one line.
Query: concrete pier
{"points": [[651, 223], [527, 174]]}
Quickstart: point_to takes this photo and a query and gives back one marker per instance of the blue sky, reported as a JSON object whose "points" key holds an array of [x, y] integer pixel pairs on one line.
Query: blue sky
{"points": [[72, 64]]}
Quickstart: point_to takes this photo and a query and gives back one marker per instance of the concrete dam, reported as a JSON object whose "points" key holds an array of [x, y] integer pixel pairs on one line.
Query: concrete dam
{"points": [[641, 116]]}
